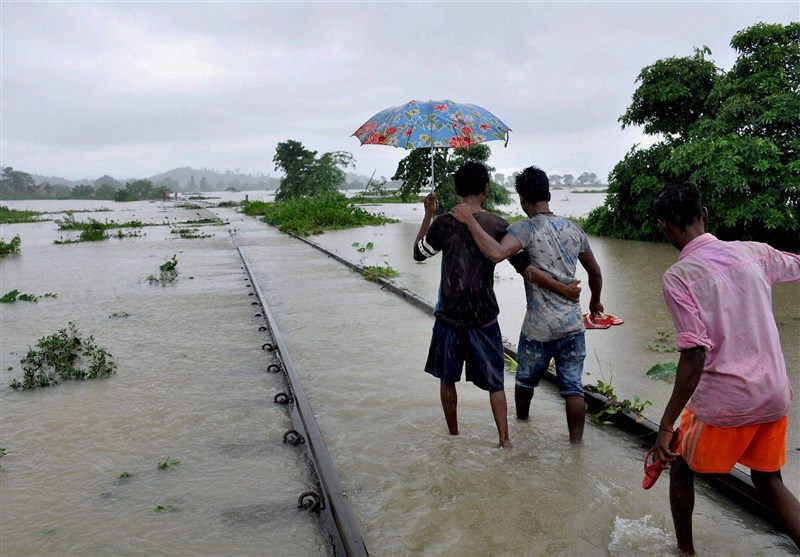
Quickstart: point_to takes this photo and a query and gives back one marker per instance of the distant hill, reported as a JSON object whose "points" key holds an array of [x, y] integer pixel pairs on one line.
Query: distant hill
{"points": [[179, 179], [192, 179]]}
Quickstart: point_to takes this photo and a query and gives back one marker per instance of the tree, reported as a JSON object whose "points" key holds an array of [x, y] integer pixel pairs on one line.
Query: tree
{"points": [[555, 179], [137, 190], [738, 139], [305, 175], [568, 179], [587, 178], [672, 95], [15, 184], [414, 170]]}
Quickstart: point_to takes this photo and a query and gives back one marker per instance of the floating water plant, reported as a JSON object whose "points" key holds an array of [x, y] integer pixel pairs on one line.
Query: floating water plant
{"points": [[64, 355], [167, 462], [374, 273], [7, 248], [15, 295], [169, 272], [361, 248], [662, 371]]}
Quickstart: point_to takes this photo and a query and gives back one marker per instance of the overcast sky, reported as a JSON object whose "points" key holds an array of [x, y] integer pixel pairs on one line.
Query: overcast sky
{"points": [[135, 89]]}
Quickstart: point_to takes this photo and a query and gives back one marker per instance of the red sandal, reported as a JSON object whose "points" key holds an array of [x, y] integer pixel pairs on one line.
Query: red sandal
{"points": [[652, 465]]}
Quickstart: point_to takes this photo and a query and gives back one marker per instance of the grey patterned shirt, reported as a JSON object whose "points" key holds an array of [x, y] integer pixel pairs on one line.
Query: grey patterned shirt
{"points": [[552, 244]]}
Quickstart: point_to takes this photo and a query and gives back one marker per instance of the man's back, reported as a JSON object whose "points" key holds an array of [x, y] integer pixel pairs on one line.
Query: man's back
{"points": [[553, 244], [719, 295], [466, 290]]}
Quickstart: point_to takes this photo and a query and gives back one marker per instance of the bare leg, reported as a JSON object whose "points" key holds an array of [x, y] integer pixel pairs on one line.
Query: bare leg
{"points": [[681, 502], [784, 503], [449, 396], [522, 399], [497, 400], [576, 415]]}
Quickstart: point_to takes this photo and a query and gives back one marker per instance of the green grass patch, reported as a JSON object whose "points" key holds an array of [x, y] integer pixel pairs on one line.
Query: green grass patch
{"points": [[68, 222], [313, 215], [189, 233], [9, 216]]}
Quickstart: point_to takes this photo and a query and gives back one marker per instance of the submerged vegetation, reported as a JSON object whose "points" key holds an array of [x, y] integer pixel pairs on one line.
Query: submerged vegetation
{"points": [[169, 272], [9, 216], [613, 406], [64, 355], [374, 273], [15, 295], [7, 248], [95, 231], [312, 215], [189, 232]]}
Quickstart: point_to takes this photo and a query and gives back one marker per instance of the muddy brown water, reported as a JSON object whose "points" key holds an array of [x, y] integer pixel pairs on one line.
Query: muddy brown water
{"points": [[192, 386]]}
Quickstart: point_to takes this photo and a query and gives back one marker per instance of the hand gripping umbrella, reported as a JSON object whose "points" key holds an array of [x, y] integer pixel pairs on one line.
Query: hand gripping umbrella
{"points": [[432, 124]]}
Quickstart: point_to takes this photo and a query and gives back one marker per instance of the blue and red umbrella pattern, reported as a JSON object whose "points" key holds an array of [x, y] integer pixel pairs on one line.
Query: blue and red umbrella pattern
{"points": [[432, 124]]}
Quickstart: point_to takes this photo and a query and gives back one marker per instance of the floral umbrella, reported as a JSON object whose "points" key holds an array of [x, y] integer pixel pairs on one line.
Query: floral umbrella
{"points": [[432, 124]]}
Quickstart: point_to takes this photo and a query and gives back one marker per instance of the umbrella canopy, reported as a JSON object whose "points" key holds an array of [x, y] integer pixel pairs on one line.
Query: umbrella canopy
{"points": [[432, 124]]}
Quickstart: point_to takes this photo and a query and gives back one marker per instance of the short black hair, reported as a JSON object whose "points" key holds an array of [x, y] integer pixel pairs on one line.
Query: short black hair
{"points": [[471, 178], [679, 204], [533, 185]]}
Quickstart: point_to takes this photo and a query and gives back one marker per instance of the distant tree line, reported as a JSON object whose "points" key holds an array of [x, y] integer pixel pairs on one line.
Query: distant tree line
{"points": [[588, 179], [15, 184]]}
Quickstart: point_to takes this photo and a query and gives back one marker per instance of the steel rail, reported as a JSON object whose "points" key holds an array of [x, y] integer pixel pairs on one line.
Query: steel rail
{"points": [[338, 519], [736, 485]]}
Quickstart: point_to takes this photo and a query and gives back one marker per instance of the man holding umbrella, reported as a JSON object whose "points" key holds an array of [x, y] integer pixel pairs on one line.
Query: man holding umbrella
{"points": [[466, 329]]}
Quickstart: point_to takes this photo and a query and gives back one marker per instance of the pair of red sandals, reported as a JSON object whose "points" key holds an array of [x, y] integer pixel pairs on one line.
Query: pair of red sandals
{"points": [[602, 321], [653, 466]]}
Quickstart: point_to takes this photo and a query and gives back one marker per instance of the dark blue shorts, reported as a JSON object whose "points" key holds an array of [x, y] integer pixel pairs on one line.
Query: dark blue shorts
{"points": [[481, 348], [534, 358]]}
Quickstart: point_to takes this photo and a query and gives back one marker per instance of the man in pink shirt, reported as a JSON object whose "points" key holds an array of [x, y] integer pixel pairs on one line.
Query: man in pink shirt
{"points": [[731, 391]]}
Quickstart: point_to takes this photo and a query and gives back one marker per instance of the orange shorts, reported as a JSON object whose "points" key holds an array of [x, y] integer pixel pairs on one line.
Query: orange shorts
{"points": [[714, 450]]}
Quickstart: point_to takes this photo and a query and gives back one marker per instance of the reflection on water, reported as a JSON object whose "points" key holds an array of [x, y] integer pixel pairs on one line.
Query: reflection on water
{"points": [[192, 386]]}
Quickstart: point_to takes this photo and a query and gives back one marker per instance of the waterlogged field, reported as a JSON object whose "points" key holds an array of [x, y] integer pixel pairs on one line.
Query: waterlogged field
{"points": [[180, 451]]}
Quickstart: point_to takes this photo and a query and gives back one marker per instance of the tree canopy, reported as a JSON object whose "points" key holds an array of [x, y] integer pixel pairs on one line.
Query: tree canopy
{"points": [[307, 175], [735, 134], [414, 171]]}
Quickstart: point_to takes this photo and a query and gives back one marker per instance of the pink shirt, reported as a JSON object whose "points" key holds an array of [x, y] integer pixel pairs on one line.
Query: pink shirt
{"points": [[720, 297]]}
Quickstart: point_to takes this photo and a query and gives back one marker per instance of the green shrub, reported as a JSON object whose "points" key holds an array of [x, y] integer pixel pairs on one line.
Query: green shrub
{"points": [[312, 215], [64, 355], [7, 248]]}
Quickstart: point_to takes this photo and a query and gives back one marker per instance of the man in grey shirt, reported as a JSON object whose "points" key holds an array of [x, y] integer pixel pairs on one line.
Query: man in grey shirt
{"points": [[553, 326]]}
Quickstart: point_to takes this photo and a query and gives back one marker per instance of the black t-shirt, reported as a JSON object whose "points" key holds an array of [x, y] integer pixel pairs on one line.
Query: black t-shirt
{"points": [[466, 289]]}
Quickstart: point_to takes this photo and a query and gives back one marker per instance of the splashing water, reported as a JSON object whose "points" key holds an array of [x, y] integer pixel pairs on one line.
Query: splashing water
{"points": [[636, 536]]}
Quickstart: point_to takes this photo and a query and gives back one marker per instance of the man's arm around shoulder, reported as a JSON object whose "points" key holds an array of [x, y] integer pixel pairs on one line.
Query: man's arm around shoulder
{"points": [[491, 248]]}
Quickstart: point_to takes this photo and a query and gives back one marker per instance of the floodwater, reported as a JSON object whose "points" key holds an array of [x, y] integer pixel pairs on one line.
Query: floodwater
{"points": [[192, 386]]}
